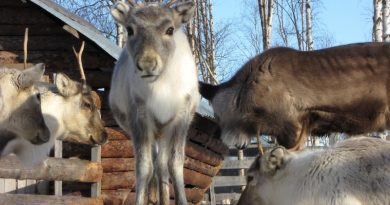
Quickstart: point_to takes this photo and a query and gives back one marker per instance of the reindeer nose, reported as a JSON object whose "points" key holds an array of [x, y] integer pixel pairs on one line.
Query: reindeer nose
{"points": [[147, 64], [42, 136]]}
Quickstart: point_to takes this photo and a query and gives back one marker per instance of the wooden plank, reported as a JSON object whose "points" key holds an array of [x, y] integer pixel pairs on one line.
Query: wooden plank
{"points": [[196, 179], [24, 15], [124, 149], [41, 43], [202, 154], [9, 185], [116, 133], [61, 60], [21, 185], [208, 141], [53, 169], [117, 197], [33, 29], [128, 164], [117, 149], [96, 157], [221, 181], [212, 194], [2, 184], [131, 200], [58, 154], [126, 180], [118, 180], [237, 164], [25, 199], [225, 196], [31, 186]]}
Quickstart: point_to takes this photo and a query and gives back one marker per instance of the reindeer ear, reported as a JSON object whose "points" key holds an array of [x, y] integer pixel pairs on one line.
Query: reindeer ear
{"points": [[273, 160], [66, 86], [183, 12], [30, 76], [208, 91], [119, 12]]}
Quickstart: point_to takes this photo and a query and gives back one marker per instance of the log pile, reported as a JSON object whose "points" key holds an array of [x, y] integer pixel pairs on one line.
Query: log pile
{"points": [[204, 157]]}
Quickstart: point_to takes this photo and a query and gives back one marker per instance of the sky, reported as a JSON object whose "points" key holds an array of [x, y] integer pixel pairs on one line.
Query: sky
{"points": [[347, 21]]}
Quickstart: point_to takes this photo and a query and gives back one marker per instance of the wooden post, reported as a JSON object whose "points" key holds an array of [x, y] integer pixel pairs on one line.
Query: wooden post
{"points": [[240, 156], [57, 154], [212, 194], [96, 157], [25, 43]]}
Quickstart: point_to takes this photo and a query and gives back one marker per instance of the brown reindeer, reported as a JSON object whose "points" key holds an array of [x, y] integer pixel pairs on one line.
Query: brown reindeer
{"points": [[290, 94]]}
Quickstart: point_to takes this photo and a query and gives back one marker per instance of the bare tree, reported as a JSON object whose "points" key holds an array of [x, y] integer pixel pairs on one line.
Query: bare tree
{"points": [[386, 20], [266, 11], [309, 35], [377, 20]]}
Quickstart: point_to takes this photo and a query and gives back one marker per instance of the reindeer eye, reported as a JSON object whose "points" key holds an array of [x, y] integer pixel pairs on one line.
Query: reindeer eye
{"points": [[87, 105], [130, 31], [249, 179], [39, 97], [170, 31]]}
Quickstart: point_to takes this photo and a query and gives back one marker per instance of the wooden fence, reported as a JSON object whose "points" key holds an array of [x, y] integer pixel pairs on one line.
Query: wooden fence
{"points": [[20, 184]]}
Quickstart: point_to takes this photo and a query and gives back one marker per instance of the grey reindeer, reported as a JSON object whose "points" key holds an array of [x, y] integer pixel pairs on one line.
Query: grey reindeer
{"points": [[154, 92]]}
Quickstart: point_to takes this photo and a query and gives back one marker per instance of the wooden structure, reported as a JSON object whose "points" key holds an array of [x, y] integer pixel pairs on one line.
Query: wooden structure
{"points": [[204, 157], [53, 31]]}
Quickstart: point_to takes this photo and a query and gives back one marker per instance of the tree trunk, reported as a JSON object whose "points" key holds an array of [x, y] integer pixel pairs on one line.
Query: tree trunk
{"points": [[309, 35], [281, 24], [386, 20], [302, 7], [265, 10], [377, 29]]}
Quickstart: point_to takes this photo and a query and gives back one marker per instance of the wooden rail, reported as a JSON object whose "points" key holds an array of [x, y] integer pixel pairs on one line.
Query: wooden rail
{"points": [[27, 199], [53, 169]]}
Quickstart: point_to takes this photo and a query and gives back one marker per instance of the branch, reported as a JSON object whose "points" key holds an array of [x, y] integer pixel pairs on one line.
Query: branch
{"points": [[171, 2], [25, 47], [79, 61]]}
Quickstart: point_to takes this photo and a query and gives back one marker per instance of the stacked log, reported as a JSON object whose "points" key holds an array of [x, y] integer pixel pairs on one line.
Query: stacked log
{"points": [[204, 157]]}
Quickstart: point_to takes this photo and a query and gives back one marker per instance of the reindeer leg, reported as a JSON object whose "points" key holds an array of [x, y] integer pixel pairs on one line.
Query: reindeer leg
{"points": [[143, 146], [162, 168], [176, 161]]}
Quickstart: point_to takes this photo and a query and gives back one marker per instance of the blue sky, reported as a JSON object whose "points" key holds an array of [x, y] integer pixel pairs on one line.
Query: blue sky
{"points": [[347, 21]]}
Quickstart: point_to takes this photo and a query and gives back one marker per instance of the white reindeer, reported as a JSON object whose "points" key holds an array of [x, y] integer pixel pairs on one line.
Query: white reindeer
{"points": [[20, 106], [154, 92], [70, 112], [353, 172]]}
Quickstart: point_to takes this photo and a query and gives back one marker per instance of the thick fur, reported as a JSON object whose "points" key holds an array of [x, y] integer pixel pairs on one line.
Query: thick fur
{"points": [[354, 172], [154, 93], [20, 106], [290, 94], [71, 114]]}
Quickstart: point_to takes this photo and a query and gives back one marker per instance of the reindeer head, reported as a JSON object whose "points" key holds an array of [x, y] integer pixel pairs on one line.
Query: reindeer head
{"points": [[81, 117], [260, 174], [20, 106], [151, 32]]}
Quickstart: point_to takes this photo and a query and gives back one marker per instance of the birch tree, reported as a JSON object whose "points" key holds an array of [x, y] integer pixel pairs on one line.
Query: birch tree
{"points": [[309, 35], [265, 11], [386, 20], [377, 21]]}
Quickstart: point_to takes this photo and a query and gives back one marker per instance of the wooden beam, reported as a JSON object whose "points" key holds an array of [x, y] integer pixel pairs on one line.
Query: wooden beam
{"points": [[202, 154], [52, 169], [128, 164], [211, 143], [117, 197], [25, 199], [126, 180]]}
